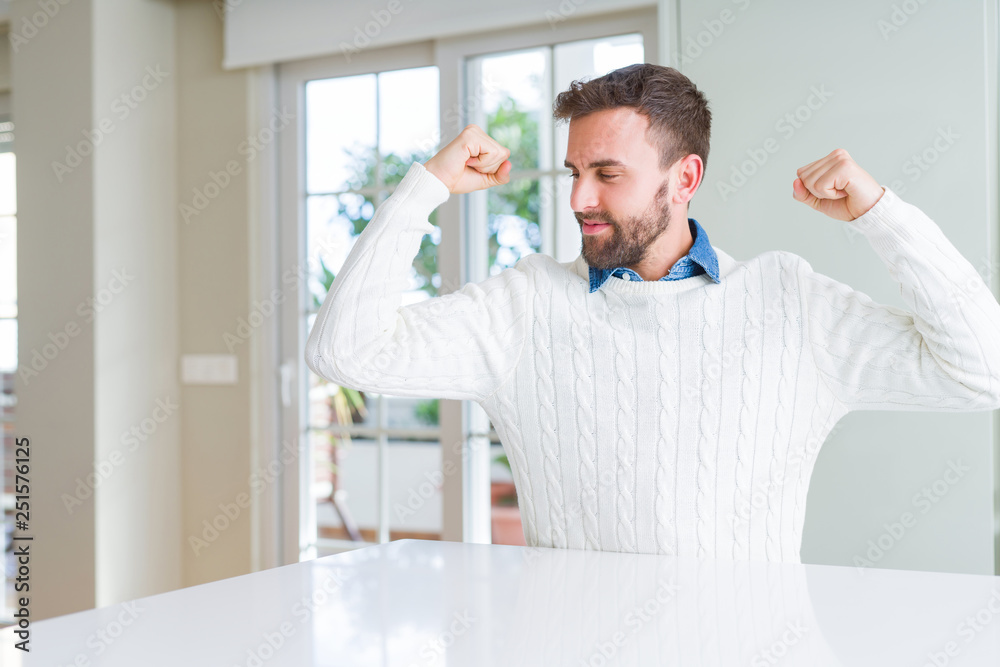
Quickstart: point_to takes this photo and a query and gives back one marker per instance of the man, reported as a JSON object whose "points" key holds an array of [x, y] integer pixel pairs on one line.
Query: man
{"points": [[656, 395]]}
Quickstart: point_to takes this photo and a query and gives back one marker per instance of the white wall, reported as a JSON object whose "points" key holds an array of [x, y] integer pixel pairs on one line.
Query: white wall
{"points": [[56, 408], [187, 285], [97, 256], [134, 88], [4, 60], [213, 294], [889, 98]]}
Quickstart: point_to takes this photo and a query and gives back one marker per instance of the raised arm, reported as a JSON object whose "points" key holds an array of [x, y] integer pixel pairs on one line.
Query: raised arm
{"points": [[461, 345], [943, 352]]}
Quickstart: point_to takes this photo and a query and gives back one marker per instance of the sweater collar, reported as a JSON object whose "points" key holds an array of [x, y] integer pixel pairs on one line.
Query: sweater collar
{"points": [[701, 253]]}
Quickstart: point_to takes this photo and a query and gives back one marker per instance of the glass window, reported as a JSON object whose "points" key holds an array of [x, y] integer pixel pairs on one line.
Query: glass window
{"points": [[362, 134]]}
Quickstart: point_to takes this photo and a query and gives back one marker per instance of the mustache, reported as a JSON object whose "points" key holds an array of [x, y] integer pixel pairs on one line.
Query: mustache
{"points": [[600, 215]]}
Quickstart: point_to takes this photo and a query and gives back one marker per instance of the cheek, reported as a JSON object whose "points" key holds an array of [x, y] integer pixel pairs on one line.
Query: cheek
{"points": [[620, 202]]}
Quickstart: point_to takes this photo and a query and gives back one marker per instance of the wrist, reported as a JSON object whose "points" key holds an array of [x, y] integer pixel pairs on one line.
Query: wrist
{"points": [[432, 168], [870, 203]]}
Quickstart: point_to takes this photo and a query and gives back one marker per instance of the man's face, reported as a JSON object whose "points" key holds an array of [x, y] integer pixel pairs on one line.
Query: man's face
{"points": [[617, 181]]}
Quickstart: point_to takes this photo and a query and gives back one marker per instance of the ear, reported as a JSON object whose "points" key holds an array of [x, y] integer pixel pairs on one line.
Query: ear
{"points": [[688, 172]]}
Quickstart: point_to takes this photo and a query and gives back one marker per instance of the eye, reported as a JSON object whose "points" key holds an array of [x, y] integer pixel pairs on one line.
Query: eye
{"points": [[609, 177], [574, 176]]}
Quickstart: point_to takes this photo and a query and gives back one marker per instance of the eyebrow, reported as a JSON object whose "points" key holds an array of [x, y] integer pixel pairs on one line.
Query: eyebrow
{"points": [[596, 164]]}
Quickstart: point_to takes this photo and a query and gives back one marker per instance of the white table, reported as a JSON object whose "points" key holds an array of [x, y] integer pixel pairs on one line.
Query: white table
{"points": [[417, 602]]}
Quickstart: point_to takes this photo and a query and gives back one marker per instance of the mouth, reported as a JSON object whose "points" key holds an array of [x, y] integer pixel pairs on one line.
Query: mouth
{"points": [[594, 228]]}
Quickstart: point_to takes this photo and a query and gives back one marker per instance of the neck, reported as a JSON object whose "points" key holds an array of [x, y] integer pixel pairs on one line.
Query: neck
{"points": [[670, 246]]}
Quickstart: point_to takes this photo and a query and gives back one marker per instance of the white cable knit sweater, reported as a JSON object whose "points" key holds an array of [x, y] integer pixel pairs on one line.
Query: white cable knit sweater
{"points": [[678, 417]]}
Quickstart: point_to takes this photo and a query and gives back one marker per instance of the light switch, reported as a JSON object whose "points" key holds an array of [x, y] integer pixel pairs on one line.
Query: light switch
{"points": [[209, 369]]}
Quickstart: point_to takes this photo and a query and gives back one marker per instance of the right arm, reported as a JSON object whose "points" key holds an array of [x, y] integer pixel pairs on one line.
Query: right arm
{"points": [[462, 345]]}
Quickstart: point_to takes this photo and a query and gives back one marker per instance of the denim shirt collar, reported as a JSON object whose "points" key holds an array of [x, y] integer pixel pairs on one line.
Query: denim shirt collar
{"points": [[701, 258]]}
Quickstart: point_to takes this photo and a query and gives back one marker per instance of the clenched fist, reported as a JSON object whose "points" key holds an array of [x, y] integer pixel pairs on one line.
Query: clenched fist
{"points": [[837, 186], [472, 161]]}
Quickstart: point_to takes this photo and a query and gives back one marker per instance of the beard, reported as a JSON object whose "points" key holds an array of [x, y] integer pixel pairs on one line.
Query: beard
{"points": [[629, 239]]}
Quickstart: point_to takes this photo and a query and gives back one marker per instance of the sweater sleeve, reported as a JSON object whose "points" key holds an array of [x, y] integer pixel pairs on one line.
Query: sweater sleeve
{"points": [[940, 354], [458, 346]]}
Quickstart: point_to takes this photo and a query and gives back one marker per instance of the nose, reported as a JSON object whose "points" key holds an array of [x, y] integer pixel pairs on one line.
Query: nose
{"points": [[583, 196]]}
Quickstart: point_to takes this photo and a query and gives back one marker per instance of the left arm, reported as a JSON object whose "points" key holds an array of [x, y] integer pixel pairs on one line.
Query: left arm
{"points": [[943, 352]]}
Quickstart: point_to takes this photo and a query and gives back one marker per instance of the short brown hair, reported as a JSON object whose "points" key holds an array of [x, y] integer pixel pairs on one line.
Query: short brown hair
{"points": [[680, 122]]}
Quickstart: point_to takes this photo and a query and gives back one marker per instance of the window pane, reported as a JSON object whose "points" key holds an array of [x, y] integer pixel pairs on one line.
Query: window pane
{"points": [[412, 414], [414, 498], [408, 119], [348, 467], [334, 406], [515, 102], [8, 267], [333, 223], [588, 59], [8, 346], [513, 222], [591, 58], [340, 133], [8, 190], [330, 404]]}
